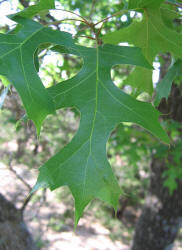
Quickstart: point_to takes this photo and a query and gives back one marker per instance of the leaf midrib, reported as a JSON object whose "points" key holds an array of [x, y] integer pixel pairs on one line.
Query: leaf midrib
{"points": [[93, 122], [24, 74]]}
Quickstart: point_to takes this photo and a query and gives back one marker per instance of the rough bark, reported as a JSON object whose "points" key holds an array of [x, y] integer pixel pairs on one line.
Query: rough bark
{"points": [[161, 217], [14, 234]]}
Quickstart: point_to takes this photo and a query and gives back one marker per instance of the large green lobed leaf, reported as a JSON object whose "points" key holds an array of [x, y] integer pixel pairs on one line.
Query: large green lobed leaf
{"points": [[82, 164]]}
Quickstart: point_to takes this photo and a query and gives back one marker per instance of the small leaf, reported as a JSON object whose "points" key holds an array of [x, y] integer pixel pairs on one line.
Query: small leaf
{"points": [[171, 183], [164, 87]]}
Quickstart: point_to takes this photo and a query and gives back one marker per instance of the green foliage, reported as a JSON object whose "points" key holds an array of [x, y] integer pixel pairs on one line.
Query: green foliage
{"points": [[17, 65], [102, 107], [164, 87], [133, 4], [153, 36], [42, 6], [82, 164], [172, 157]]}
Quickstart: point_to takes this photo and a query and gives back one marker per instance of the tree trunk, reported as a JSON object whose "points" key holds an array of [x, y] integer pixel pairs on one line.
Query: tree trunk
{"points": [[14, 234], [161, 217]]}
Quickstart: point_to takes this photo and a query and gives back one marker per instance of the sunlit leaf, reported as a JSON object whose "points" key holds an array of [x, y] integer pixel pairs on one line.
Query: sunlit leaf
{"points": [[42, 5], [154, 37]]}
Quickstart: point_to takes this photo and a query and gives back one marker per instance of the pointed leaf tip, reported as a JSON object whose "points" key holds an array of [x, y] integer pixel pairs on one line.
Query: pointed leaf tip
{"points": [[82, 165], [22, 73], [162, 40]]}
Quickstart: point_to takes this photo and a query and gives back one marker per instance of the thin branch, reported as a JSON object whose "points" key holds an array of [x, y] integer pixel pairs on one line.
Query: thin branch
{"points": [[51, 17], [92, 8], [73, 14], [179, 5], [84, 28], [99, 31], [66, 19], [27, 200], [89, 37], [109, 17], [18, 176], [41, 203], [25, 203]]}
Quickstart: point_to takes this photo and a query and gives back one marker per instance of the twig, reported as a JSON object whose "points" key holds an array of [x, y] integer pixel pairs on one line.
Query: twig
{"points": [[99, 31], [66, 19], [51, 17], [25, 203], [92, 8], [89, 37], [107, 18], [84, 28], [41, 203], [179, 5], [74, 14], [18, 176]]}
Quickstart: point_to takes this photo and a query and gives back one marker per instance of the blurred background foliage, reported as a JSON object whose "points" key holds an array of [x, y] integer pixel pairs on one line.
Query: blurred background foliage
{"points": [[129, 149]]}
